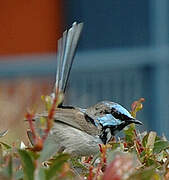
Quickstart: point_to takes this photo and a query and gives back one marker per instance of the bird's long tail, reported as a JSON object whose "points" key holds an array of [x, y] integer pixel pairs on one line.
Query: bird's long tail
{"points": [[67, 45]]}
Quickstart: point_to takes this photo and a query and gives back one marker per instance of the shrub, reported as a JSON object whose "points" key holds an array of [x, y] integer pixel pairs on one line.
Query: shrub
{"points": [[136, 156]]}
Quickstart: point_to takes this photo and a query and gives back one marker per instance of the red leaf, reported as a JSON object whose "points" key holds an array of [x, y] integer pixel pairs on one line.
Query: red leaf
{"points": [[118, 167]]}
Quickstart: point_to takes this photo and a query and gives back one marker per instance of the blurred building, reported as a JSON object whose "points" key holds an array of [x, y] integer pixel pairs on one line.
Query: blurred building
{"points": [[122, 56]]}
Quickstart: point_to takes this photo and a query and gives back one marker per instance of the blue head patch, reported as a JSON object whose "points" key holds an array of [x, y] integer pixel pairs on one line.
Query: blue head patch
{"points": [[121, 110], [118, 108], [108, 120]]}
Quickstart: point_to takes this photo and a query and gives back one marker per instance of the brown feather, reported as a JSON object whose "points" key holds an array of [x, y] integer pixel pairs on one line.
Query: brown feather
{"points": [[74, 118]]}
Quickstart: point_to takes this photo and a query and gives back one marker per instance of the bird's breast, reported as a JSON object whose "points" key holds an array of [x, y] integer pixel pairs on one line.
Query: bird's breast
{"points": [[75, 141]]}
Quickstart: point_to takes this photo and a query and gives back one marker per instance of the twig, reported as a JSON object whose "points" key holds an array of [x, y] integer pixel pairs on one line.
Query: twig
{"points": [[50, 116], [29, 117]]}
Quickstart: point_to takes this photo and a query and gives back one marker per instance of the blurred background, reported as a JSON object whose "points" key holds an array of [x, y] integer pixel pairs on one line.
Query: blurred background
{"points": [[123, 55]]}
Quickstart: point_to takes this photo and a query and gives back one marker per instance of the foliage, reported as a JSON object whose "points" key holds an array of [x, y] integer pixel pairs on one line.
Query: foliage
{"points": [[136, 156]]}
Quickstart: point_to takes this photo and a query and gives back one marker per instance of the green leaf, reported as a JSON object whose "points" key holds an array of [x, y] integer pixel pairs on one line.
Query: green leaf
{"points": [[144, 174], [57, 164], [137, 106], [48, 102], [115, 145], [150, 162], [49, 149], [6, 145], [40, 174], [42, 121], [129, 134], [144, 141], [34, 155], [161, 156], [28, 165], [160, 145], [142, 154], [19, 174], [75, 162], [151, 140], [8, 170], [1, 154], [158, 138]]}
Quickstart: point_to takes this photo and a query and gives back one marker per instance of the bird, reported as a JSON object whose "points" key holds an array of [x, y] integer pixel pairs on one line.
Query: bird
{"points": [[112, 117], [79, 131]]}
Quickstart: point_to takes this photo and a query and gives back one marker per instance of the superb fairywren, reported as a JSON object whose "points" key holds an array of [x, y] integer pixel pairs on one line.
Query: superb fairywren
{"points": [[79, 131]]}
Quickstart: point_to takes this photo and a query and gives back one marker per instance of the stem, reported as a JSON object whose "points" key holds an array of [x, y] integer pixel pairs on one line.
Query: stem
{"points": [[29, 117], [50, 117]]}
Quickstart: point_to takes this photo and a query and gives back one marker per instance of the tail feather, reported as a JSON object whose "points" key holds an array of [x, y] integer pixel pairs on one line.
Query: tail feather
{"points": [[58, 63], [60, 56], [66, 50], [71, 46]]}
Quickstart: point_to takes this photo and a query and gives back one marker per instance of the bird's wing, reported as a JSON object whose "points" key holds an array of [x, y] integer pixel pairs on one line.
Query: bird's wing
{"points": [[73, 118], [67, 45]]}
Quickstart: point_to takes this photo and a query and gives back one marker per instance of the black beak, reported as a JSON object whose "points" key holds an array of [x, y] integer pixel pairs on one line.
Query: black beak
{"points": [[135, 121]]}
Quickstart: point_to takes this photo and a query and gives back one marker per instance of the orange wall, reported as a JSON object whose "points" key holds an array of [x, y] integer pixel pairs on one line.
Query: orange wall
{"points": [[29, 26]]}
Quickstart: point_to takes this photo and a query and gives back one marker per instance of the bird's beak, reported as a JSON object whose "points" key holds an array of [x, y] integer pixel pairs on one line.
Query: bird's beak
{"points": [[137, 121]]}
